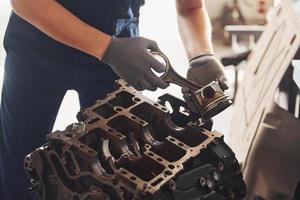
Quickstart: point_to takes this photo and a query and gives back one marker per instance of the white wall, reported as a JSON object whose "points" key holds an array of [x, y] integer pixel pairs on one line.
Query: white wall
{"points": [[248, 7], [4, 15], [215, 7]]}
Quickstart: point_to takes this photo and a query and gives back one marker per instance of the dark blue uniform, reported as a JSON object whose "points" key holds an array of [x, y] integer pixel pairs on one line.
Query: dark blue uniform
{"points": [[39, 71]]}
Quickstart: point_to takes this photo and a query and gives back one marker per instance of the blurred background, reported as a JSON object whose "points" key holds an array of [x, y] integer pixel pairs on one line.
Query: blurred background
{"points": [[158, 22]]}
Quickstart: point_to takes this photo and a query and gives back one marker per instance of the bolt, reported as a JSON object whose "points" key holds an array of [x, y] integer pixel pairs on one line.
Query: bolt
{"points": [[231, 194], [217, 176], [172, 185], [221, 187], [78, 127], [216, 141], [221, 166], [210, 183], [34, 186], [31, 189], [202, 181]]}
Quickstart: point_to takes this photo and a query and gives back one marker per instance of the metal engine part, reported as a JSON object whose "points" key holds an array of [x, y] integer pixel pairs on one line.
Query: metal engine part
{"points": [[210, 100], [128, 147]]}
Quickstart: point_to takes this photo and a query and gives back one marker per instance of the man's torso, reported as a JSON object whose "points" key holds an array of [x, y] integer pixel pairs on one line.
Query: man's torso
{"points": [[113, 17]]}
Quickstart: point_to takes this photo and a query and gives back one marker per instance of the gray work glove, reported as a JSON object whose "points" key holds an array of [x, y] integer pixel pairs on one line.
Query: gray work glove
{"points": [[131, 60], [203, 70]]}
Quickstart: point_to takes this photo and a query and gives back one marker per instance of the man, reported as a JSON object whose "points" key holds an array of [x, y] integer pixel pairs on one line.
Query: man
{"points": [[53, 46]]}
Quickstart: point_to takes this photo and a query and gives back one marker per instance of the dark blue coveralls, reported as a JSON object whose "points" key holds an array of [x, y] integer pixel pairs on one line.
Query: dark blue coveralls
{"points": [[39, 71]]}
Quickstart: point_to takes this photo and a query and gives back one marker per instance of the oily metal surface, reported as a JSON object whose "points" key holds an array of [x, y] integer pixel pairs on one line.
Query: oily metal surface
{"points": [[208, 100], [129, 147]]}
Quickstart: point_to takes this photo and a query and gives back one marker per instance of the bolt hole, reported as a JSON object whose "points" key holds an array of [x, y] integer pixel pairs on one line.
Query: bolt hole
{"points": [[171, 166], [180, 144], [69, 135], [150, 154], [168, 173], [136, 99], [119, 109]]}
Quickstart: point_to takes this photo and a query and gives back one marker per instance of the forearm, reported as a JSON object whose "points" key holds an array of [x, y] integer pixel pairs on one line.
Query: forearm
{"points": [[194, 27], [57, 22]]}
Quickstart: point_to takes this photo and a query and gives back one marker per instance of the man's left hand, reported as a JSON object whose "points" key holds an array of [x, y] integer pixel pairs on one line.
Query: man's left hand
{"points": [[205, 69]]}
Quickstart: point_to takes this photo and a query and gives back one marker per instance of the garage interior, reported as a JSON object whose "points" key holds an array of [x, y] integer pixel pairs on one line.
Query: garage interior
{"points": [[258, 42]]}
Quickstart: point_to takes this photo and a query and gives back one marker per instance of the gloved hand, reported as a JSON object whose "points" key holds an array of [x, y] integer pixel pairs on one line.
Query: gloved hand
{"points": [[131, 60], [203, 70]]}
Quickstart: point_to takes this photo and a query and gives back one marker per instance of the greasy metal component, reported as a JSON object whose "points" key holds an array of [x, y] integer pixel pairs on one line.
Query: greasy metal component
{"points": [[171, 76], [129, 147], [209, 100]]}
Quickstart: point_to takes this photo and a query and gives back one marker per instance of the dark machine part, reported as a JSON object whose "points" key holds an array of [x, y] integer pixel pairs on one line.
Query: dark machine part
{"points": [[209, 100], [235, 60], [128, 147]]}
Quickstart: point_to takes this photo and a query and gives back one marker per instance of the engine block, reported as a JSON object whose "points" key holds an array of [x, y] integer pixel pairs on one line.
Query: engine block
{"points": [[128, 147]]}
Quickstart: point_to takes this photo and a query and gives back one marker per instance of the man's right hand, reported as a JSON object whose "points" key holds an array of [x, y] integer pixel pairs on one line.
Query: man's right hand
{"points": [[131, 60]]}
